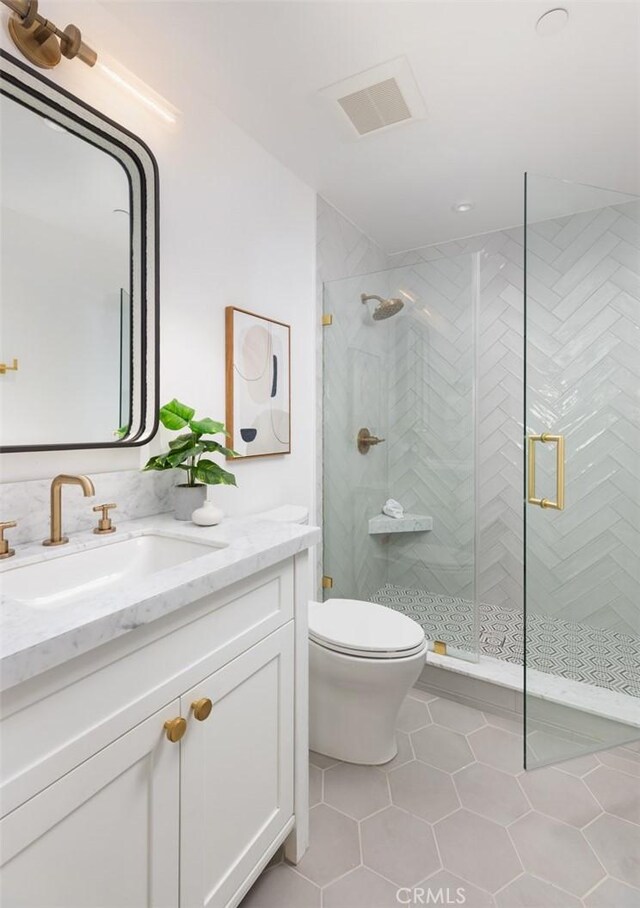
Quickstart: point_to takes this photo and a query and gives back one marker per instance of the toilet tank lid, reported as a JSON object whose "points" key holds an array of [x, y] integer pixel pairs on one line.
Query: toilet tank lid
{"points": [[287, 513], [365, 626]]}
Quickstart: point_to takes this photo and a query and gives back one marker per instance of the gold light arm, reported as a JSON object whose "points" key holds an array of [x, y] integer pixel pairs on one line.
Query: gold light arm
{"points": [[545, 438], [41, 41]]}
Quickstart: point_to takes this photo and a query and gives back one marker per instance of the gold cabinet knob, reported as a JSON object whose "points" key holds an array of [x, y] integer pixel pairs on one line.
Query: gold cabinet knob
{"points": [[175, 729], [202, 709]]}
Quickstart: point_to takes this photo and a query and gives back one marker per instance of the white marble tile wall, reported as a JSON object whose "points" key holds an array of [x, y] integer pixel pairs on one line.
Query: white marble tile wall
{"points": [[136, 495]]}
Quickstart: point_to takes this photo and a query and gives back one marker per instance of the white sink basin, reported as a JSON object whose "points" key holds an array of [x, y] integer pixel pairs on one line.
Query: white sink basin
{"points": [[74, 576]]}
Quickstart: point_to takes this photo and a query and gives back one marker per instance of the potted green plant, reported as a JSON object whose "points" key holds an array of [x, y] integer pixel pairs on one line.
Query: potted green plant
{"points": [[186, 453]]}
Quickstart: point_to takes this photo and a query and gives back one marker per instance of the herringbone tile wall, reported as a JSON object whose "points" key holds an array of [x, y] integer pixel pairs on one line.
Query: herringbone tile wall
{"points": [[584, 358], [431, 425], [584, 374]]}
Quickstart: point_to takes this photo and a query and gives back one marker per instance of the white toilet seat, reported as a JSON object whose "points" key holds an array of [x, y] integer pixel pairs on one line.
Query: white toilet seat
{"points": [[364, 630]]}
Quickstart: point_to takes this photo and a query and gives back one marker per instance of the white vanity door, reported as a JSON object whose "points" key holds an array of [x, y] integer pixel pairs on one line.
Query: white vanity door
{"points": [[103, 836], [237, 771]]}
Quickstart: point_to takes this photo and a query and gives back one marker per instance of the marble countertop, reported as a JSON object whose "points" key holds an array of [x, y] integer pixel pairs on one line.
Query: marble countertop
{"points": [[34, 639]]}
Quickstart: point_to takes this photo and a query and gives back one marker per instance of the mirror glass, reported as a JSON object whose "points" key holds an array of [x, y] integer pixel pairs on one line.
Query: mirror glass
{"points": [[78, 316], [64, 285]]}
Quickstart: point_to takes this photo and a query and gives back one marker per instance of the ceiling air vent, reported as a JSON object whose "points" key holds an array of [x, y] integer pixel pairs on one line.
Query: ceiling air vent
{"points": [[379, 105], [386, 95]]}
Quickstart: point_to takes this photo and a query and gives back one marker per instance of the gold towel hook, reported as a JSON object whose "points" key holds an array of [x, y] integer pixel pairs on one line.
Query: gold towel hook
{"points": [[5, 367]]}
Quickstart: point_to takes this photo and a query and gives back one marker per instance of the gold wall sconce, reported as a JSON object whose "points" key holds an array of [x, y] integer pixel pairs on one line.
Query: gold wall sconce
{"points": [[42, 42], [5, 367]]}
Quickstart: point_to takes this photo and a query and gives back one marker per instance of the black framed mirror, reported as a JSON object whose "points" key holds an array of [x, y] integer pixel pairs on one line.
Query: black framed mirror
{"points": [[79, 289]]}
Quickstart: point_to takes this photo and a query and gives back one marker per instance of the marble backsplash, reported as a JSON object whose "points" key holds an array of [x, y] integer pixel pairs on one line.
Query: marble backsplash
{"points": [[136, 495]]}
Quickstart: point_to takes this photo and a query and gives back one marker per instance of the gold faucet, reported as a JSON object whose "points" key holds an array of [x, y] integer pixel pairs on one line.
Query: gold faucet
{"points": [[63, 479]]}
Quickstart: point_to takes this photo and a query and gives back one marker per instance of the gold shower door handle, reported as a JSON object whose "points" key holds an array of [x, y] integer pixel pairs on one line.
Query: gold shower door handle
{"points": [[545, 438]]}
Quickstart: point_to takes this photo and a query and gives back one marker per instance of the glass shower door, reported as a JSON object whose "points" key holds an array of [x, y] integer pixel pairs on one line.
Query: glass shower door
{"points": [[582, 469], [398, 368]]}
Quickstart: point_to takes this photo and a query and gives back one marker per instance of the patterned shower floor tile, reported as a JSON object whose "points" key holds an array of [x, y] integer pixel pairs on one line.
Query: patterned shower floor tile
{"points": [[604, 658]]}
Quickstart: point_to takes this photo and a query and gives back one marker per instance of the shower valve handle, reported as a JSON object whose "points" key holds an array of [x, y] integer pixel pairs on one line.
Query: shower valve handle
{"points": [[366, 440]]}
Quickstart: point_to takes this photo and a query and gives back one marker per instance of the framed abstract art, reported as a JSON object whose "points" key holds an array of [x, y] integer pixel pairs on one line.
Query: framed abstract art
{"points": [[258, 371]]}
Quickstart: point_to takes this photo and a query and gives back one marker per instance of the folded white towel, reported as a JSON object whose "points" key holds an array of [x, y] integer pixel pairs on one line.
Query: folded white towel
{"points": [[393, 508]]}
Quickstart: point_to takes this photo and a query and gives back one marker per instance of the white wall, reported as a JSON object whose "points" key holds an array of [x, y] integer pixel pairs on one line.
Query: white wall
{"points": [[237, 228]]}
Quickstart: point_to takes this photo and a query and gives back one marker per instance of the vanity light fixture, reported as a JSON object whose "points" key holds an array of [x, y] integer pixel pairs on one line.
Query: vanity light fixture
{"points": [[127, 81], [42, 42], [461, 207]]}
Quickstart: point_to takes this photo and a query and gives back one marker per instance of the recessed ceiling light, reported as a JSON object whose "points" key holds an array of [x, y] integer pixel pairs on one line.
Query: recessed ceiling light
{"points": [[552, 22], [463, 206]]}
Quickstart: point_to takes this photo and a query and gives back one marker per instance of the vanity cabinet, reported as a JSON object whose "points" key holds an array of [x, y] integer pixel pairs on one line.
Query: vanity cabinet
{"points": [[105, 834], [236, 770], [102, 810]]}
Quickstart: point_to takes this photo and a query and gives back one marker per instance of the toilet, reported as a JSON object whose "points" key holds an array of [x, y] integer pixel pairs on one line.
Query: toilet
{"points": [[363, 660]]}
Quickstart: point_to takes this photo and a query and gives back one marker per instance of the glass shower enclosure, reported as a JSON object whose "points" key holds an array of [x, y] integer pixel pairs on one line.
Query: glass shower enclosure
{"points": [[399, 423], [582, 469]]}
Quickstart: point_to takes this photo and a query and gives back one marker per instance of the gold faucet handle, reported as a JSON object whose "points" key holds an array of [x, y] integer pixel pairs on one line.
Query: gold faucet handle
{"points": [[5, 551], [104, 524]]}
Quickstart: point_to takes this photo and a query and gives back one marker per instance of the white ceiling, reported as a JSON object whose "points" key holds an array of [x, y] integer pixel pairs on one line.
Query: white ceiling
{"points": [[500, 99]]}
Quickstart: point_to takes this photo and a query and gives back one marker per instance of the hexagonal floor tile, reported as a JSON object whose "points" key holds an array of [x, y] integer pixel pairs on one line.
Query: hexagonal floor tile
{"points": [[418, 694], [405, 752], [579, 766], [362, 888], [315, 785], [529, 892], [399, 846], [423, 791], [560, 795], [282, 886], [478, 850], [490, 792], [621, 758], [612, 894], [514, 724], [456, 716], [356, 790], [556, 853], [498, 748], [443, 888], [617, 792], [442, 748], [413, 715], [617, 844], [334, 846]]}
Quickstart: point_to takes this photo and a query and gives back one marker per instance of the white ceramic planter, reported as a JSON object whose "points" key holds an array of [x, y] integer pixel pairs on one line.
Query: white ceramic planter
{"points": [[186, 499]]}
